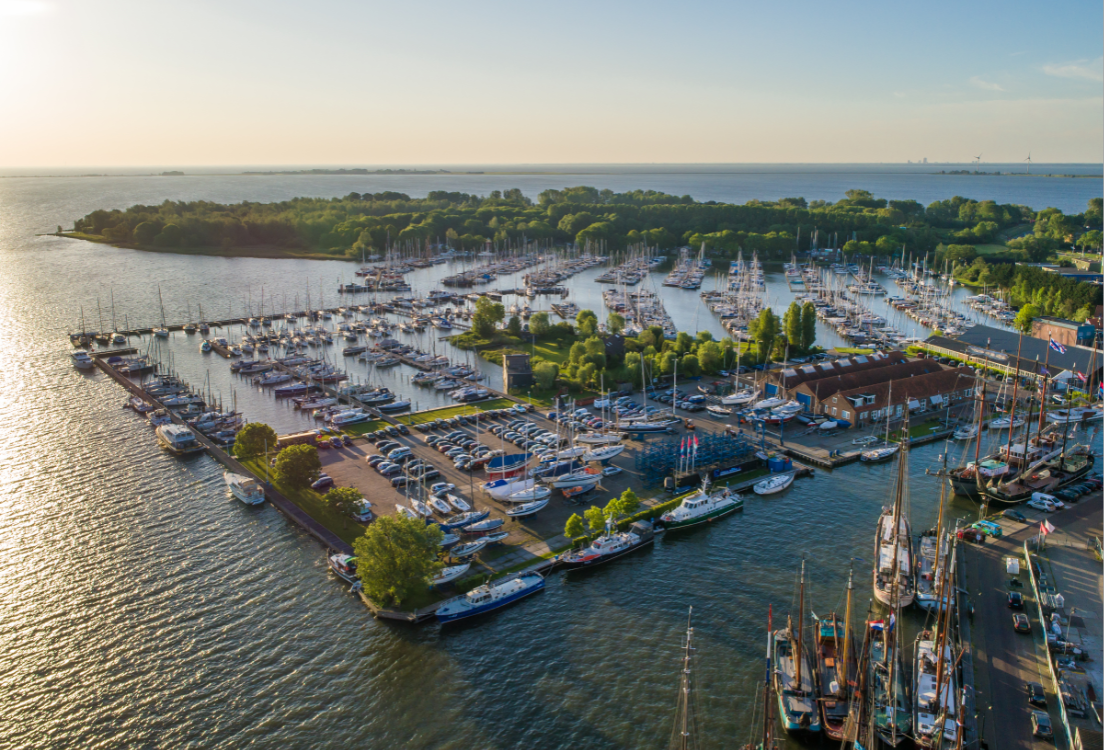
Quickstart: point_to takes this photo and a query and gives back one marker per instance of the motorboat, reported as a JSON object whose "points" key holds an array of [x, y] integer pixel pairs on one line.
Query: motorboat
{"points": [[395, 407], [879, 454], [868, 440], [720, 412], [966, 432], [1008, 422], [82, 360], [344, 566], [449, 574], [177, 439], [346, 418], [489, 597], [439, 505], [531, 507], [1071, 415], [245, 488], [609, 546], [703, 507], [775, 484]]}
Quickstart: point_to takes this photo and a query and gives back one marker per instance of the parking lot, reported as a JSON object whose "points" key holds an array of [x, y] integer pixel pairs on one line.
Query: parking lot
{"points": [[348, 466]]}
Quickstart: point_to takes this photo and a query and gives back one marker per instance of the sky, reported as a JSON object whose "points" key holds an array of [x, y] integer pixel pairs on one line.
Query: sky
{"points": [[330, 82]]}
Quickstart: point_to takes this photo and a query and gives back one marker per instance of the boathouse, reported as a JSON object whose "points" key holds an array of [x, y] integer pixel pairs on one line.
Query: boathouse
{"points": [[931, 391]]}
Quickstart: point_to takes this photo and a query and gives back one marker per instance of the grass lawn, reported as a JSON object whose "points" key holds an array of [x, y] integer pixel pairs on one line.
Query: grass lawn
{"points": [[987, 249], [545, 398], [919, 430], [838, 349], [311, 502], [426, 416]]}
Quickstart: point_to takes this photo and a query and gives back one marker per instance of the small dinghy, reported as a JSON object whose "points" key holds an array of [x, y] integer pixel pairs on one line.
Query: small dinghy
{"points": [[774, 484]]}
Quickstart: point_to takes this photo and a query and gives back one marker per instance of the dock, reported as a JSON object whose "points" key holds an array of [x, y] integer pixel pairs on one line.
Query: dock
{"points": [[277, 500]]}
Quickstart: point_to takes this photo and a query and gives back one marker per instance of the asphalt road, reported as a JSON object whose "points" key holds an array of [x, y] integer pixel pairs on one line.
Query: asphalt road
{"points": [[1005, 661]]}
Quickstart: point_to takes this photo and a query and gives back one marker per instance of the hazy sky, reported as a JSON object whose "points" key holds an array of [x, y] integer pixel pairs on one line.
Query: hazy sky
{"points": [[202, 82]]}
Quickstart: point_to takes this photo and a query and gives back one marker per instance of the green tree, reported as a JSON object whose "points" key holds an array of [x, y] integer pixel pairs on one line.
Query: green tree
{"points": [[683, 343], [347, 499], [539, 324], [690, 365], [575, 527], [616, 322], [794, 325], [145, 232], [596, 518], [514, 326], [632, 365], [586, 323], [397, 557], [1026, 315], [544, 372], [710, 357], [253, 440], [625, 505], [763, 331], [297, 465], [577, 352], [170, 236], [486, 316], [587, 374], [808, 325]]}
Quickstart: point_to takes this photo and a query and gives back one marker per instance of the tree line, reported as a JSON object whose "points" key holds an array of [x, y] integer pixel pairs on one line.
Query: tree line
{"points": [[356, 223]]}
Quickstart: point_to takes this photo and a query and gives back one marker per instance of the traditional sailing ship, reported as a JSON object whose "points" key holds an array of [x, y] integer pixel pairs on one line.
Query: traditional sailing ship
{"points": [[836, 666], [794, 682]]}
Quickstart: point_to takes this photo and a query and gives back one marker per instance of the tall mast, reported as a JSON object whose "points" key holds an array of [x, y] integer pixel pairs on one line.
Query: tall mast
{"points": [[845, 658], [683, 742], [798, 668], [767, 707], [1015, 390]]}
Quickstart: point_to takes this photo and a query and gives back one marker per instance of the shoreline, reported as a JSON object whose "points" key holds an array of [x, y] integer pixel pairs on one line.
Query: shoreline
{"points": [[206, 251]]}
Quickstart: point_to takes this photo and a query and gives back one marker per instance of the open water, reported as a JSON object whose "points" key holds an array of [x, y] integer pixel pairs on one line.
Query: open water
{"points": [[140, 606]]}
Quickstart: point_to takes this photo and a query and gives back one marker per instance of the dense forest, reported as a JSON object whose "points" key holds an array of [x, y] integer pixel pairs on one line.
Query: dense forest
{"points": [[347, 226]]}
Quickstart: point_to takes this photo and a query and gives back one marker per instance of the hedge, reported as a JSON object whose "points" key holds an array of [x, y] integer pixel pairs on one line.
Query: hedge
{"points": [[624, 523]]}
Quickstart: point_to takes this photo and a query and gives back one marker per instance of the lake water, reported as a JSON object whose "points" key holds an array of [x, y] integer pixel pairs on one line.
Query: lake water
{"points": [[141, 607]]}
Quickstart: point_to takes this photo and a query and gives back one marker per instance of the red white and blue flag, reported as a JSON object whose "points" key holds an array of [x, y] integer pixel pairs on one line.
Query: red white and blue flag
{"points": [[1081, 376], [1056, 346]]}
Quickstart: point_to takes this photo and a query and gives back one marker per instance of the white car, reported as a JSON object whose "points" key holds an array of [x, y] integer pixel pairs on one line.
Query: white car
{"points": [[611, 470], [1052, 502]]}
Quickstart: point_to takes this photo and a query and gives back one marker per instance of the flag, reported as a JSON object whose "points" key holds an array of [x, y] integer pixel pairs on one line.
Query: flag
{"points": [[1056, 346], [1045, 372], [1081, 376], [1046, 527]]}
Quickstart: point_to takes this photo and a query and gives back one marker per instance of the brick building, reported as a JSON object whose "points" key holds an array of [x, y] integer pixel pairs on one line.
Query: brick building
{"points": [[930, 390]]}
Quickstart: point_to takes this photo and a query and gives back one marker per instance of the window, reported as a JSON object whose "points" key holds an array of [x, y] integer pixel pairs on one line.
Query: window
{"points": [[863, 415], [835, 399], [834, 412], [899, 409], [846, 414]]}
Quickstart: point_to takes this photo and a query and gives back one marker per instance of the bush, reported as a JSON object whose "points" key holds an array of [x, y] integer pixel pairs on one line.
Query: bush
{"points": [[298, 465]]}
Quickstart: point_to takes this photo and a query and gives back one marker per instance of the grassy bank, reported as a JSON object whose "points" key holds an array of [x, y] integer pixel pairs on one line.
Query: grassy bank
{"points": [[426, 416], [261, 252], [311, 502]]}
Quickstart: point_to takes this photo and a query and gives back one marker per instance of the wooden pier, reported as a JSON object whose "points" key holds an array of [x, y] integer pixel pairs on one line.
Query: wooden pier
{"points": [[279, 501]]}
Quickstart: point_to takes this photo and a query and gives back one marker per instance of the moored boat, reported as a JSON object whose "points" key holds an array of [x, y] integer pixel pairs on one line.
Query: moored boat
{"points": [[702, 507], [775, 484], [344, 566], [245, 488], [489, 597], [609, 546]]}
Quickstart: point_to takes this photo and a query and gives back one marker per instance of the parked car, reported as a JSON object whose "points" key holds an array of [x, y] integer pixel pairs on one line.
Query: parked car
{"points": [[1035, 695], [323, 483], [1040, 725], [1015, 515], [374, 460], [1021, 624]]}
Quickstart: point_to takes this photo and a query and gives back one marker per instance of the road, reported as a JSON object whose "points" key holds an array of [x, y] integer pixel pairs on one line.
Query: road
{"points": [[1005, 661]]}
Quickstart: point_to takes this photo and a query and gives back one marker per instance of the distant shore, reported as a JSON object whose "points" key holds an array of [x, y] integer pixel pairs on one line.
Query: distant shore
{"points": [[257, 252]]}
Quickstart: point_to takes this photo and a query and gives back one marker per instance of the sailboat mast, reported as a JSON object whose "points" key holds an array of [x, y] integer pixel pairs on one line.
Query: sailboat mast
{"points": [[767, 708], [798, 668], [683, 743], [845, 656]]}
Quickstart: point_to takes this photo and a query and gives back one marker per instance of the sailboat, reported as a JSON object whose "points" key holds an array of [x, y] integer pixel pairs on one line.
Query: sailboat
{"points": [[836, 666], [794, 682], [685, 733], [875, 455], [893, 580], [163, 331]]}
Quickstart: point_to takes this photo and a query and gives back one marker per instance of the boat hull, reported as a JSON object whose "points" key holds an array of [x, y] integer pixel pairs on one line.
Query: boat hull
{"points": [[606, 558], [707, 518], [473, 612]]}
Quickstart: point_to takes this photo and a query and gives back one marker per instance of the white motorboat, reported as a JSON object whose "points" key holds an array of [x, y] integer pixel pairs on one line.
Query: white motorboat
{"points": [[245, 488], [867, 440], [719, 411], [774, 484], [450, 573], [82, 360], [420, 507], [1008, 422], [529, 508], [604, 452], [879, 454], [966, 432], [1071, 415]]}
